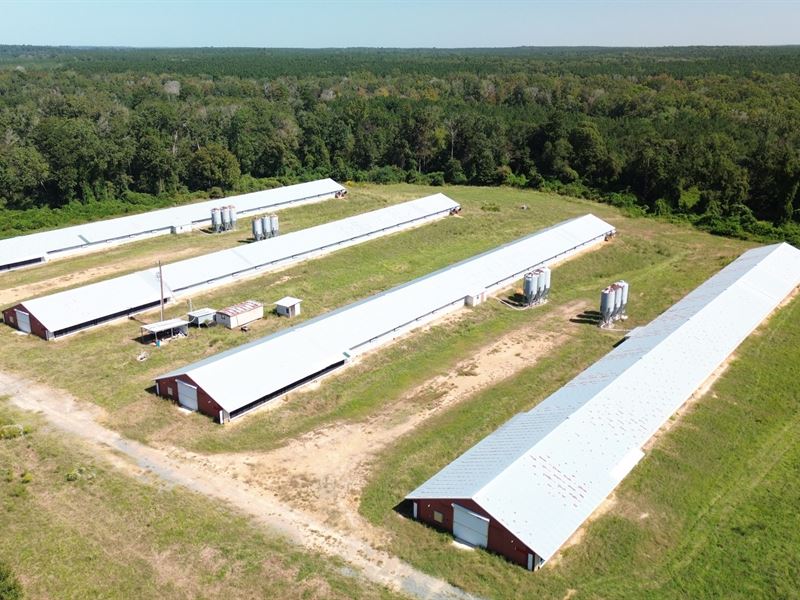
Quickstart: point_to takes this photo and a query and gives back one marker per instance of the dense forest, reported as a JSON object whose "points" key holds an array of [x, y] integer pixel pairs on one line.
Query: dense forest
{"points": [[711, 135]]}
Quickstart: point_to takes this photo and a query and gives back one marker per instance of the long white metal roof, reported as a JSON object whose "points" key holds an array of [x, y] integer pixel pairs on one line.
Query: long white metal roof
{"points": [[92, 302], [545, 471], [38, 245], [243, 375]]}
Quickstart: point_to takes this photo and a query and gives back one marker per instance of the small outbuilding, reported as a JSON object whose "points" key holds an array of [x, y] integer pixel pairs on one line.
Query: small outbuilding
{"points": [[288, 306], [240, 314], [201, 316]]}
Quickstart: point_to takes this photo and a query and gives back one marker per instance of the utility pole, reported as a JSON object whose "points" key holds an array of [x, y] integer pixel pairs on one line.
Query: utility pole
{"points": [[161, 282]]}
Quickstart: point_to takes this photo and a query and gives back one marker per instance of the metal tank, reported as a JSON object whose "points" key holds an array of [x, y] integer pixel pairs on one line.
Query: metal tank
{"points": [[529, 287], [234, 216], [226, 218], [216, 220], [266, 227], [273, 221], [617, 301], [542, 286], [606, 306], [625, 288], [548, 273], [258, 232]]}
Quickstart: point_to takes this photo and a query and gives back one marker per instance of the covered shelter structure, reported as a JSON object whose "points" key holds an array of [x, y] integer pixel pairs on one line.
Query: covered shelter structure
{"points": [[234, 382], [66, 312], [27, 250], [167, 328], [524, 490]]}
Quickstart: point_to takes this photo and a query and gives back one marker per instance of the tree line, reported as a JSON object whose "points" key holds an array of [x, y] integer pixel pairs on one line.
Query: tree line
{"points": [[709, 135]]}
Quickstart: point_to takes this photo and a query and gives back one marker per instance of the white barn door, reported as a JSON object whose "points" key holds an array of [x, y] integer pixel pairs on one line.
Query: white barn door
{"points": [[470, 527], [23, 321], [187, 395]]}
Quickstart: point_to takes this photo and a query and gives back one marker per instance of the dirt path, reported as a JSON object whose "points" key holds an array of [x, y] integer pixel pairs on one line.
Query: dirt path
{"points": [[66, 414], [324, 471]]}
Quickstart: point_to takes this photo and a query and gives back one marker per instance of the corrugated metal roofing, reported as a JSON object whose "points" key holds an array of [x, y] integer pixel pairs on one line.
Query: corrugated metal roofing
{"points": [[93, 302], [545, 471], [241, 307], [123, 229], [243, 375]]}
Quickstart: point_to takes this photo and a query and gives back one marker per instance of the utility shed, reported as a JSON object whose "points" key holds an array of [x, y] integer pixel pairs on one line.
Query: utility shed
{"points": [[240, 314], [201, 316], [238, 380], [129, 294], [288, 306], [526, 488], [36, 248]]}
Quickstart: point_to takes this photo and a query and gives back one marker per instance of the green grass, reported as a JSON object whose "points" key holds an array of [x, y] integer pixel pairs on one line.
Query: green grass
{"points": [[74, 527], [650, 255], [711, 512]]}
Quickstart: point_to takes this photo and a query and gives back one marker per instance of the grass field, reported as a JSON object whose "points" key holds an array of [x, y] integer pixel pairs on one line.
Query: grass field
{"points": [[649, 254], [712, 510], [104, 534]]}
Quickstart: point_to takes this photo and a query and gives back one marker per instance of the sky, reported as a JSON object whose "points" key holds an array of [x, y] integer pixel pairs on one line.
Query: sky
{"points": [[399, 23]]}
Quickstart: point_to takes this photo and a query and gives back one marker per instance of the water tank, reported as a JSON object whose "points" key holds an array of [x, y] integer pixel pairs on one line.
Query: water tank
{"points": [[273, 220], [258, 232], [266, 227], [216, 220], [234, 216], [529, 284]]}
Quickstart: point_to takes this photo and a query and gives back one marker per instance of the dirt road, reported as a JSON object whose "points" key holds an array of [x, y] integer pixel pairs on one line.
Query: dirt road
{"points": [[64, 413]]}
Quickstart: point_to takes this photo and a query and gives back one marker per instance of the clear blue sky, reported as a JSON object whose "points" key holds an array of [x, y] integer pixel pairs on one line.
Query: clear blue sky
{"points": [[399, 23]]}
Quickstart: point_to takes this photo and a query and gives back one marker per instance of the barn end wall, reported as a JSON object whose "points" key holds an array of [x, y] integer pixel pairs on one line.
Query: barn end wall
{"points": [[10, 319], [501, 540], [205, 403]]}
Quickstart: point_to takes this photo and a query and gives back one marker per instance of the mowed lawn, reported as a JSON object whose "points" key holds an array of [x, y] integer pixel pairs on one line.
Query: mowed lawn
{"points": [[75, 527], [662, 262], [712, 511]]}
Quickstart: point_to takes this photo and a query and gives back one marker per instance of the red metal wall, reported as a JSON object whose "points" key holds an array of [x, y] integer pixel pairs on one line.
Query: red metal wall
{"points": [[10, 318], [500, 540], [205, 403]]}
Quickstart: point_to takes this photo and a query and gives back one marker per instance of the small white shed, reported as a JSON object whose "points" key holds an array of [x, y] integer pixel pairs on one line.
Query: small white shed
{"points": [[240, 314], [288, 306]]}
